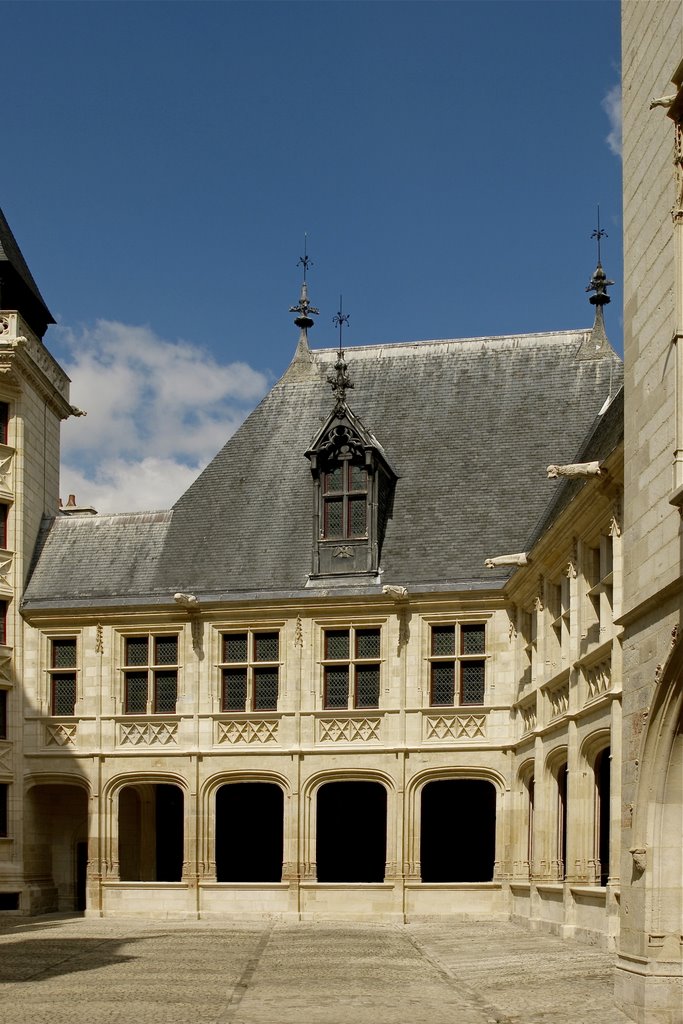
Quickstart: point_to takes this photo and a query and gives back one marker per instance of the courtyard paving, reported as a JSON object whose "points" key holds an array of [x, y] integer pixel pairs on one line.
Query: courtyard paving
{"points": [[59, 969]]}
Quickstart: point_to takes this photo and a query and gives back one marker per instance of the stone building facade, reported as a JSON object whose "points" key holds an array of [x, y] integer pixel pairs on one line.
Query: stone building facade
{"points": [[409, 645]]}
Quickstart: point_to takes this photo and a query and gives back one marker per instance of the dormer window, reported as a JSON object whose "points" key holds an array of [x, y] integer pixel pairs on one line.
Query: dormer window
{"points": [[354, 487], [345, 500]]}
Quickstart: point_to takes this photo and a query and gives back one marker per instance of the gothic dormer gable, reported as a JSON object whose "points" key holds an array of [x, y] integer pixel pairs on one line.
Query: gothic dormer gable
{"points": [[353, 488]]}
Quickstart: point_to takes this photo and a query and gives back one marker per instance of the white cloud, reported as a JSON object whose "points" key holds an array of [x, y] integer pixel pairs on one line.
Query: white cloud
{"points": [[611, 104], [158, 411]]}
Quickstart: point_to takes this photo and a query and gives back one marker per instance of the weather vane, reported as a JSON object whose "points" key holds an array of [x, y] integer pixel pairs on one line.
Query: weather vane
{"points": [[305, 261], [305, 310], [341, 382], [598, 233], [339, 319], [599, 282]]}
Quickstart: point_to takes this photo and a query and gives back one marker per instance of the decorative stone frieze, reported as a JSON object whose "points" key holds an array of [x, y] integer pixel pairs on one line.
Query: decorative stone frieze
{"points": [[454, 727], [598, 679], [248, 730], [349, 730], [60, 734], [138, 734], [559, 700]]}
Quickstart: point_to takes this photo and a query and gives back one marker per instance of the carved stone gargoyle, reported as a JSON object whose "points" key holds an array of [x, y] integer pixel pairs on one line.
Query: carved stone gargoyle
{"points": [[521, 558], [574, 469]]}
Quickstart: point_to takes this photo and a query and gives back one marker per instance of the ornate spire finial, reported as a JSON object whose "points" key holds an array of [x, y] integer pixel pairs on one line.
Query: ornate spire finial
{"points": [[598, 282], [305, 310], [341, 382]]}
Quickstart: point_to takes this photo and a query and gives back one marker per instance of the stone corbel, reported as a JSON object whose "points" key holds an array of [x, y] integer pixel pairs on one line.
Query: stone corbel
{"points": [[575, 469], [191, 605], [521, 558], [639, 855]]}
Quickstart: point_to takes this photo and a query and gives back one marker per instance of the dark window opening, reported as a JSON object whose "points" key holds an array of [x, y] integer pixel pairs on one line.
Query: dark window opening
{"points": [[458, 831], [351, 668], [352, 832], [249, 832], [4, 513], [3, 714], [3, 622], [9, 900], [345, 501], [4, 422], [150, 684], [251, 676], [4, 809]]}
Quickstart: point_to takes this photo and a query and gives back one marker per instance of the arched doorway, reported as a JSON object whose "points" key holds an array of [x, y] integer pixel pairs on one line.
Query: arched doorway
{"points": [[151, 820], [602, 773], [458, 830], [351, 839], [249, 832], [56, 844]]}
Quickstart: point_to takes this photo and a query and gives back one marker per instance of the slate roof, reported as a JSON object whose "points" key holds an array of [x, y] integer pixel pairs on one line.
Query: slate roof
{"points": [[469, 426], [19, 290]]}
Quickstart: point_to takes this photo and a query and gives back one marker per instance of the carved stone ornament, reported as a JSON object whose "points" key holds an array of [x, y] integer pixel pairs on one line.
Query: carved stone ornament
{"points": [[639, 854], [521, 558], [395, 593], [575, 469], [570, 571], [99, 639], [298, 633]]}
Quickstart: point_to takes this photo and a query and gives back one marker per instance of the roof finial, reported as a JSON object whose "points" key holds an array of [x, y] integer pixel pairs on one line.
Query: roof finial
{"points": [[304, 309], [599, 284], [341, 382]]}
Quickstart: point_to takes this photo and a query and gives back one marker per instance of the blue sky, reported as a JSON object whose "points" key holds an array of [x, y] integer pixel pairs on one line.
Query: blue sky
{"points": [[163, 161]]}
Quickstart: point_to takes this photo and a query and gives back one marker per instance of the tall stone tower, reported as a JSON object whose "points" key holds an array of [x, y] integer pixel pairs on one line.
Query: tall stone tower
{"points": [[650, 961], [34, 399]]}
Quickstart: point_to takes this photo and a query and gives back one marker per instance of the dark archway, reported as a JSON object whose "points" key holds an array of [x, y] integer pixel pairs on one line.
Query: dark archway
{"points": [[151, 825], [602, 812], [458, 830], [562, 785], [351, 841], [249, 832], [56, 829]]}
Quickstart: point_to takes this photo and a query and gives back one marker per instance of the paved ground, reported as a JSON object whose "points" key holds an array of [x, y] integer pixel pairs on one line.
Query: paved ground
{"points": [[68, 970]]}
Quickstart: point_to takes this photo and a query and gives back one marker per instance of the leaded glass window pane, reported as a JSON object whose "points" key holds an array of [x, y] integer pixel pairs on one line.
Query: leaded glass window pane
{"points": [[234, 689], [265, 689], [266, 646], [165, 692], [443, 640], [336, 687], [334, 518], [166, 650], [358, 478], [136, 650], [472, 682], [367, 686], [235, 647], [136, 692], [64, 652], [64, 694], [336, 643], [443, 680], [333, 479], [367, 643], [357, 517], [473, 639]]}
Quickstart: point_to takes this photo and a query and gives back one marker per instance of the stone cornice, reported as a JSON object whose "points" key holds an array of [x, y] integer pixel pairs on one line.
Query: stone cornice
{"points": [[24, 359]]}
